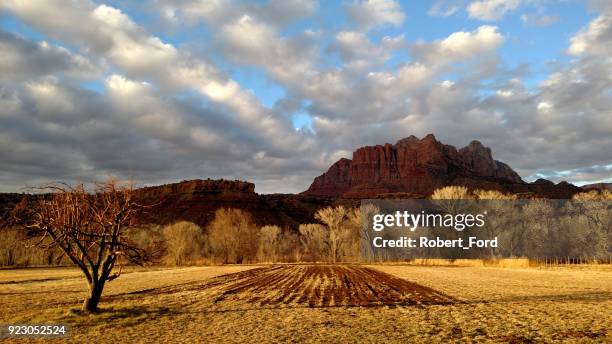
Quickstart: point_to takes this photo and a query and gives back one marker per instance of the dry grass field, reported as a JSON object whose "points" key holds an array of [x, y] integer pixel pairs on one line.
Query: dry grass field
{"points": [[320, 303]]}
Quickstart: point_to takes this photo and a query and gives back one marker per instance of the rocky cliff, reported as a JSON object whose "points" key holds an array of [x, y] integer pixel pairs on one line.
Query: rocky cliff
{"points": [[197, 200], [415, 167]]}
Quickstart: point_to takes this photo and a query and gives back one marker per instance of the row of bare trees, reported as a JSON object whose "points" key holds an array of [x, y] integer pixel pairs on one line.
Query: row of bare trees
{"points": [[232, 237], [534, 228]]}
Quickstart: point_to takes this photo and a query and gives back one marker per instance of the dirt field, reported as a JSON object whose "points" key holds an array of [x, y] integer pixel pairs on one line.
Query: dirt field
{"points": [[320, 303], [322, 286]]}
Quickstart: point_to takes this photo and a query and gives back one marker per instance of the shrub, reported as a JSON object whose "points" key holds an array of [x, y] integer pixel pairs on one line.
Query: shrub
{"points": [[452, 192], [493, 195], [593, 195]]}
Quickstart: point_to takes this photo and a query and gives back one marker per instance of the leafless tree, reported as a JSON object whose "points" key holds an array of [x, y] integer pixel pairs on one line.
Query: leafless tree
{"points": [[233, 236], [91, 229], [502, 210], [185, 242], [269, 243], [362, 218], [342, 234], [312, 238], [333, 218], [449, 198]]}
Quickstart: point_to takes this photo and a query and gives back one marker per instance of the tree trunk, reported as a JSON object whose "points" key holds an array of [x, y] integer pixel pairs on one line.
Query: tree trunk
{"points": [[91, 303]]}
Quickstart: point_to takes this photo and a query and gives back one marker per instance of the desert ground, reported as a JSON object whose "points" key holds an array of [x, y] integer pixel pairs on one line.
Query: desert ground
{"points": [[319, 303]]}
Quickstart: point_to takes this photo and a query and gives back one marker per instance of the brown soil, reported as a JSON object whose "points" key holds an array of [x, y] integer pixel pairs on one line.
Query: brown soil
{"points": [[319, 286]]}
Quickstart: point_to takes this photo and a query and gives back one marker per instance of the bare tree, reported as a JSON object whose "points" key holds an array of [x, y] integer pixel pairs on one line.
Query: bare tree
{"points": [[289, 246], [233, 236], [593, 195], [453, 200], [185, 242], [333, 218], [502, 211], [91, 229], [362, 218], [448, 198], [312, 237], [341, 231], [269, 242]]}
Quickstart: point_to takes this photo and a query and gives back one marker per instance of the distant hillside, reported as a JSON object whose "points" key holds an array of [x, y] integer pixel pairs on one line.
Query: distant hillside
{"points": [[597, 186]]}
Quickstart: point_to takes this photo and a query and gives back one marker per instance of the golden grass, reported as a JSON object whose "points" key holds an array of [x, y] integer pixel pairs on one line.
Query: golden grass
{"points": [[182, 305]]}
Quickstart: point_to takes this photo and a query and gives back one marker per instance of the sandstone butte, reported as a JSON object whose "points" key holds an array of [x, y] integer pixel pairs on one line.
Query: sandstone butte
{"points": [[414, 168]]}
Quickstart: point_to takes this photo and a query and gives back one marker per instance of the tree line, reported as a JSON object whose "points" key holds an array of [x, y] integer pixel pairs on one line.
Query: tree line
{"points": [[536, 228]]}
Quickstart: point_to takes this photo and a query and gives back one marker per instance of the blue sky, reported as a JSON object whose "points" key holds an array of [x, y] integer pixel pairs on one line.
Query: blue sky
{"points": [[275, 91]]}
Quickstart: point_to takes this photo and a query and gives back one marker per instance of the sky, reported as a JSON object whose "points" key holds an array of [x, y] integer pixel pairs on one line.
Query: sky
{"points": [[275, 91]]}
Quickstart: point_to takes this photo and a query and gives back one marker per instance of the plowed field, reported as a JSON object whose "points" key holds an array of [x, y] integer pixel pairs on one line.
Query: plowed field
{"points": [[324, 285], [307, 286]]}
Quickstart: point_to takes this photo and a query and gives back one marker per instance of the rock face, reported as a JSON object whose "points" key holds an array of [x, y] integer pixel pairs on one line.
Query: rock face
{"points": [[197, 200], [415, 167]]}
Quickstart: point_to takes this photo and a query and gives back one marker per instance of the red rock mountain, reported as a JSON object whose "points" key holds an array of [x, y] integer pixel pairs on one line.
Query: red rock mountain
{"points": [[415, 167]]}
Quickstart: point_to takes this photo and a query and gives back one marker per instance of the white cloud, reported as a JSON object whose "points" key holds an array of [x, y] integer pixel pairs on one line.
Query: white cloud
{"points": [[459, 46], [504, 93], [144, 56], [447, 84], [219, 12], [131, 47], [22, 59], [594, 38], [544, 106], [492, 10], [124, 87], [445, 8], [359, 53], [368, 14], [144, 60], [545, 20], [249, 41]]}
